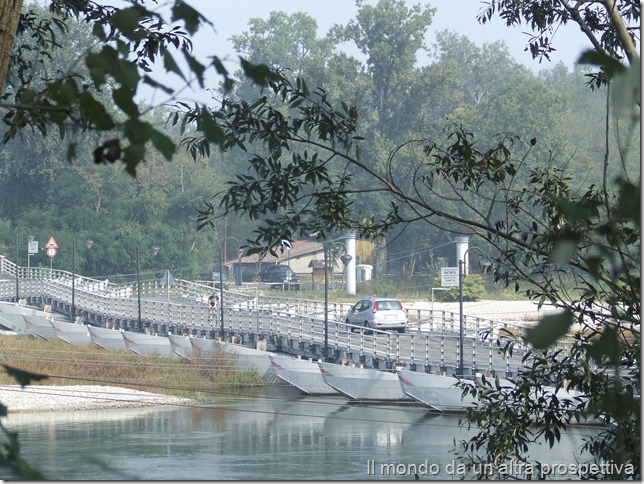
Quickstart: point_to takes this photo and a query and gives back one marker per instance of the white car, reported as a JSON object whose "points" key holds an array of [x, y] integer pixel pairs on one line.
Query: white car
{"points": [[378, 313]]}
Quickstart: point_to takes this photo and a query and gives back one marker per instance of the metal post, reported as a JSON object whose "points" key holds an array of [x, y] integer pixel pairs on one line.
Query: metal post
{"points": [[240, 252], [17, 273], [461, 329], [17, 267], [326, 301], [462, 264], [88, 244], [73, 311], [138, 282], [221, 290], [346, 259], [154, 250]]}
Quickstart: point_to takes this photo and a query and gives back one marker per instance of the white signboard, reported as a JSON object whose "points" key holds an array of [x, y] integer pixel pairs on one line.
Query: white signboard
{"points": [[449, 276], [32, 247]]}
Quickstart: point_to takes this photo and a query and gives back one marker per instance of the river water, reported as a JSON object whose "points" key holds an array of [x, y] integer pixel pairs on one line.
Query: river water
{"points": [[266, 437]]}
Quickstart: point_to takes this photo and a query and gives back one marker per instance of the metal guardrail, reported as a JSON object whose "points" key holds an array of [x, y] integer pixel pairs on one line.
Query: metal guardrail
{"points": [[294, 322]]}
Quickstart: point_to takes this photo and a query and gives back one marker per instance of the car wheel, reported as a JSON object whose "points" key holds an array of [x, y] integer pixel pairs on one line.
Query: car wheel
{"points": [[352, 329], [367, 328], [401, 330]]}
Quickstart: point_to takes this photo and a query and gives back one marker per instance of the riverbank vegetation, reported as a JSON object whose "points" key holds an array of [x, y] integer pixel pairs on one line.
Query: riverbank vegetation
{"points": [[461, 81], [200, 377]]}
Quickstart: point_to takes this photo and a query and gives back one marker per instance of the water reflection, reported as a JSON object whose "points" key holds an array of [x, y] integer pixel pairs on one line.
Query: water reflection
{"points": [[251, 438]]}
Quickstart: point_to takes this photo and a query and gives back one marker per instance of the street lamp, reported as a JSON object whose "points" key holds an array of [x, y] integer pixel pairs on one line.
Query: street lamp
{"points": [[461, 269], [154, 250], [29, 238], [240, 252], [346, 258], [88, 244]]}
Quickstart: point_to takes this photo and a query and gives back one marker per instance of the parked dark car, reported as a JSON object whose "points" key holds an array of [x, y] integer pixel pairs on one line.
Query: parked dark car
{"points": [[278, 273], [215, 278]]}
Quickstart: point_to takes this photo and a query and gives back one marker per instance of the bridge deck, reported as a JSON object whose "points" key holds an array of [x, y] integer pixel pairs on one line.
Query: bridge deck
{"points": [[283, 323]]}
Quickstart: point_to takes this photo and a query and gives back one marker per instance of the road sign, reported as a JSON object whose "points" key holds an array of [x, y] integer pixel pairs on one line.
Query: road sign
{"points": [[51, 252], [168, 279], [32, 247], [449, 276], [52, 243]]}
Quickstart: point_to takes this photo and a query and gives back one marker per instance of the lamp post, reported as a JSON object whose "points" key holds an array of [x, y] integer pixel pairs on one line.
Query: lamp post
{"points": [[346, 258], [461, 269], [154, 250], [88, 244], [240, 251], [29, 238]]}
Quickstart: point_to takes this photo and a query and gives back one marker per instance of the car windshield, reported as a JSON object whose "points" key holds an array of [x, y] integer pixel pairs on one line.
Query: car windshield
{"points": [[387, 305]]}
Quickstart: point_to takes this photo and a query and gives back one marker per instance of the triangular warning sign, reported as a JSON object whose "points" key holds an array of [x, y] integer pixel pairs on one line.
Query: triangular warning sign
{"points": [[168, 279], [52, 243]]}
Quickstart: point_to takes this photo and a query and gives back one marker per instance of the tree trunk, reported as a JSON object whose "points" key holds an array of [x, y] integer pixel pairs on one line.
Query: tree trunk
{"points": [[622, 32], [9, 16], [381, 256]]}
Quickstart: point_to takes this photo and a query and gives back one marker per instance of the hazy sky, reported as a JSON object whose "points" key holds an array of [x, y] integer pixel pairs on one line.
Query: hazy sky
{"points": [[231, 17], [459, 15]]}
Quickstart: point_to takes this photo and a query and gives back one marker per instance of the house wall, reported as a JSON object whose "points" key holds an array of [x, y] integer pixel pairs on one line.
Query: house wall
{"points": [[365, 253]]}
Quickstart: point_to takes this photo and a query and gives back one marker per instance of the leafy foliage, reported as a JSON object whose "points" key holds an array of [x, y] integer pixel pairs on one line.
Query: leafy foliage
{"points": [[131, 40], [611, 27], [548, 231], [10, 450], [302, 166]]}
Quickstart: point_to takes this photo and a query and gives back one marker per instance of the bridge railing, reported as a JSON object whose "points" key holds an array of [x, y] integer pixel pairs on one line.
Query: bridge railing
{"points": [[106, 298], [431, 338]]}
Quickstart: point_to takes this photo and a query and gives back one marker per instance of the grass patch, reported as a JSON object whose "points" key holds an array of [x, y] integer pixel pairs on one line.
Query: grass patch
{"points": [[203, 376]]}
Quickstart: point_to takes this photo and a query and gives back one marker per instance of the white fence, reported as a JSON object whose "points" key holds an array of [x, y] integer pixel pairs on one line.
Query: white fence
{"points": [[293, 324]]}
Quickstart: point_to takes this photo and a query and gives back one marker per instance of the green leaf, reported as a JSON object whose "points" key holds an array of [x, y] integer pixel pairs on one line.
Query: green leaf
{"points": [[93, 112], [549, 329], [127, 19], [191, 17], [171, 65], [606, 347], [132, 156], [24, 378], [162, 143], [563, 251], [157, 85], [196, 67], [610, 65], [100, 63], [124, 99], [126, 73], [63, 93], [573, 211], [137, 131], [629, 202], [258, 73], [26, 96], [210, 129], [219, 66]]}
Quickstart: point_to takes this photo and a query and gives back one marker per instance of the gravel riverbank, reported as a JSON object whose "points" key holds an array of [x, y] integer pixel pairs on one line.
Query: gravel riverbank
{"points": [[39, 398]]}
